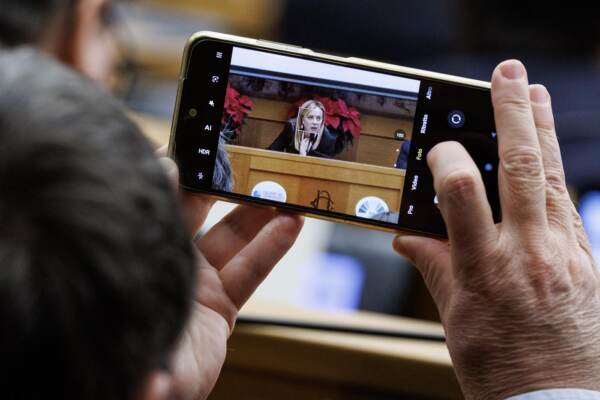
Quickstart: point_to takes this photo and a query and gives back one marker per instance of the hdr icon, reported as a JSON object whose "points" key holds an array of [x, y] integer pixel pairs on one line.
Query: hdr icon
{"points": [[204, 152]]}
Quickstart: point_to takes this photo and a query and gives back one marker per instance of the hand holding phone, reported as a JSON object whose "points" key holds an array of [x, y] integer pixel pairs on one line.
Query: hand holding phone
{"points": [[336, 138], [519, 300]]}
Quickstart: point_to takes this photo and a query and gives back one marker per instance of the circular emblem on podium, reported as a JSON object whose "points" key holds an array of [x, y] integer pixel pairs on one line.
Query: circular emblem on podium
{"points": [[269, 190], [367, 207]]}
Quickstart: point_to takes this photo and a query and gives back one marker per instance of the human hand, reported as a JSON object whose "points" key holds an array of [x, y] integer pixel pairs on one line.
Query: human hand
{"points": [[234, 257], [194, 206], [520, 300], [304, 146]]}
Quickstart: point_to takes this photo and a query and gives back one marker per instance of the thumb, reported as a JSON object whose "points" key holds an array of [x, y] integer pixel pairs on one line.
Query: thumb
{"points": [[432, 259], [162, 151]]}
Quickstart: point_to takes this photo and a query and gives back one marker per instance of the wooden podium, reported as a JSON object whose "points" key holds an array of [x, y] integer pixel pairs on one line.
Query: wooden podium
{"points": [[273, 363], [316, 182]]}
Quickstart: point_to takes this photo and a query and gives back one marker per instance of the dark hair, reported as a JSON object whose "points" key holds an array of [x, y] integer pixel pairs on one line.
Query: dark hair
{"points": [[27, 21], [96, 268], [222, 178]]}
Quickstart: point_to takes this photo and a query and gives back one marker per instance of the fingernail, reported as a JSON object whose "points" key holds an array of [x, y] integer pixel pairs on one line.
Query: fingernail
{"points": [[399, 245], [401, 248], [539, 94], [512, 70]]}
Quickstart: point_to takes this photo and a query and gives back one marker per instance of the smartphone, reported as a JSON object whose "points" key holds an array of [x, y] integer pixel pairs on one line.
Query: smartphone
{"points": [[338, 138]]}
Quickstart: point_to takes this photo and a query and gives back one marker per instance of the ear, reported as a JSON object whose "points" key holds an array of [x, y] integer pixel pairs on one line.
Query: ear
{"points": [[88, 46], [158, 385], [69, 47]]}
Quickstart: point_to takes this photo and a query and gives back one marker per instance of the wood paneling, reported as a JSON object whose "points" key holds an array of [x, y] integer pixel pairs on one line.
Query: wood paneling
{"points": [[240, 167], [385, 151], [375, 146], [303, 177], [374, 125], [250, 384], [270, 110], [270, 362], [259, 133]]}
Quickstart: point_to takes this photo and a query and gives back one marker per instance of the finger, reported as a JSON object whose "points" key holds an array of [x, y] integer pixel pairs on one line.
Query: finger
{"points": [[432, 259], [233, 233], [558, 202], [162, 151], [462, 197], [195, 208], [171, 171], [521, 175], [242, 275]]}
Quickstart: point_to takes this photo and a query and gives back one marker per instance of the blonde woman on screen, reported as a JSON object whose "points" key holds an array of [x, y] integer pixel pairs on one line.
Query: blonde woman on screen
{"points": [[306, 134]]}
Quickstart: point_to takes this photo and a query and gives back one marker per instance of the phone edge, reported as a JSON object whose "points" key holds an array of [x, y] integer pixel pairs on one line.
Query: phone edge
{"points": [[297, 50]]}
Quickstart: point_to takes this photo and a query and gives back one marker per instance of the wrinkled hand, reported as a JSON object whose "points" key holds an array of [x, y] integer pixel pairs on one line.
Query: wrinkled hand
{"points": [[234, 257], [520, 301]]}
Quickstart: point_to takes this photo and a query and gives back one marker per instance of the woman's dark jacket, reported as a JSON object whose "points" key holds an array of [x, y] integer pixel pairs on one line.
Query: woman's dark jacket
{"points": [[285, 142]]}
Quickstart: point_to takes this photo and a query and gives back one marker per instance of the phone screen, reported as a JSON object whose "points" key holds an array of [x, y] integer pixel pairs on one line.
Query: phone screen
{"points": [[325, 137]]}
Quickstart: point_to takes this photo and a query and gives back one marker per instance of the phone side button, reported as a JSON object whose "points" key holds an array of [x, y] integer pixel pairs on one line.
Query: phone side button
{"points": [[279, 45]]}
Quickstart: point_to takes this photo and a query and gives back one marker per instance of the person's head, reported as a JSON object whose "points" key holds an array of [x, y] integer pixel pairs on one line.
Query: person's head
{"points": [[96, 267], [311, 116], [310, 121], [77, 32], [222, 174]]}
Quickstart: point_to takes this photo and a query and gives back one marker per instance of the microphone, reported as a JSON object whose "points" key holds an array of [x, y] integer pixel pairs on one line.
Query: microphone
{"points": [[311, 140]]}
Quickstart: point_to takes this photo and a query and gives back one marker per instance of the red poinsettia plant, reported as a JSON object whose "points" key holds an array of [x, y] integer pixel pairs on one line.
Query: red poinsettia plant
{"points": [[236, 109], [338, 116]]}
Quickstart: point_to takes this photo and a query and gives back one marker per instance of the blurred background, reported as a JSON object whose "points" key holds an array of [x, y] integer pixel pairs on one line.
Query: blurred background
{"points": [[338, 267]]}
